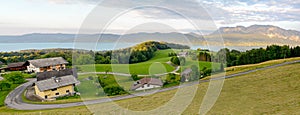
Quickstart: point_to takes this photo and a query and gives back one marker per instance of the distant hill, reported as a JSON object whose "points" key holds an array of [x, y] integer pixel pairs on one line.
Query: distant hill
{"points": [[133, 38], [255, 35]]}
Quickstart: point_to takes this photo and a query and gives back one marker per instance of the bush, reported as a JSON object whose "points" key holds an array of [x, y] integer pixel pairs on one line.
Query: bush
{"points": [[175, 60], [134, 77], [15, 77], [112, 90], [4, 85]]}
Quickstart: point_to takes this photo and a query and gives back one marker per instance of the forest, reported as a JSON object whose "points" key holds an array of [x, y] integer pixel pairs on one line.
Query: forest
{"points": [[234, 57]]}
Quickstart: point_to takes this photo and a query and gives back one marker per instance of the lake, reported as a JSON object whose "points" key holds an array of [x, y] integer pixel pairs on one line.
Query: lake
{"points": [[7, 47]]}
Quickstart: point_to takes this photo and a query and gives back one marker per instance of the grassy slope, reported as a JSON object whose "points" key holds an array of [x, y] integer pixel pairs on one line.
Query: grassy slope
{"points": [[257, 93], [161, 57], [5, 92], [242, 68]]}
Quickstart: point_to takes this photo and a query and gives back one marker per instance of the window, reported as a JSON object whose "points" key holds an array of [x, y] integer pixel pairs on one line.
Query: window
{"points": [[46, 96], [54, 89], [148, 85], [142, 86], [68, 91], [56, 93]]}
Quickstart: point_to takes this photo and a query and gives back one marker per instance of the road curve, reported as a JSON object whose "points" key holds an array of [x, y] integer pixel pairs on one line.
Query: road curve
{"points": [[14, 98]]}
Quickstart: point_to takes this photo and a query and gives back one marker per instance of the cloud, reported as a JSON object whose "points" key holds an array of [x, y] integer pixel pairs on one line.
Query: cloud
{"points": [[229, 11]]}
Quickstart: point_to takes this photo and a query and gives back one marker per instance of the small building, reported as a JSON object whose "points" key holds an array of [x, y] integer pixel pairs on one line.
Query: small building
{"points": [[47, 64], [53, 84], [19, 66], [182, 54], [186, 74], [147, 83]]}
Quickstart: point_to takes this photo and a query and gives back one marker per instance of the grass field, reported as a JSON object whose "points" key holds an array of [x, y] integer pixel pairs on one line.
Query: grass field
{"points": [[155, 65], [5, 92], [152, 66], [242, 68], [271, 91]]}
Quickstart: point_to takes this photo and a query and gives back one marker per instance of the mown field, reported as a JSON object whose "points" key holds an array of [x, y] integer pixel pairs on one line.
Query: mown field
{"points": [[271, 91], [155, 65]]}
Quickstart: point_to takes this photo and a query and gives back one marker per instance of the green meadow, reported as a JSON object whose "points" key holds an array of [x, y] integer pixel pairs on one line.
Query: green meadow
{"points": [[255, 93]]}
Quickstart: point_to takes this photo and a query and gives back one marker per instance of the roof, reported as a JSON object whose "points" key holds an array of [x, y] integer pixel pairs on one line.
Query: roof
{"points": [[182, 53], [49, 74], [55, 82], [186, 71], [141, 82], [48, 62], [18, 64]]}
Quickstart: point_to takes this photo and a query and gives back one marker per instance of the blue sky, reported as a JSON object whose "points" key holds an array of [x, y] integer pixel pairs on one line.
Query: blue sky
{"points": [[68, 16]]}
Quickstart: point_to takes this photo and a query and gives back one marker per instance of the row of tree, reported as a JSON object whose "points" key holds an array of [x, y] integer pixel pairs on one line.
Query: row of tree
{"points": [[139, 53], [234, 57]]}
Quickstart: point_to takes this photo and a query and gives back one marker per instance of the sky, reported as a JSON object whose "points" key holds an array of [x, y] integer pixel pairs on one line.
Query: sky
{"points": [[129, 16]]}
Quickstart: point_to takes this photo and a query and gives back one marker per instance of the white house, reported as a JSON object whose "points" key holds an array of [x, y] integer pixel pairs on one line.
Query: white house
{"points": [[48, 64], [147, 83]]}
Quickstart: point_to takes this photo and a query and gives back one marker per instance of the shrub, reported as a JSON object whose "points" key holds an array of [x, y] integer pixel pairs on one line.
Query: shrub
{"points": [[15, 77], [112, 90]]}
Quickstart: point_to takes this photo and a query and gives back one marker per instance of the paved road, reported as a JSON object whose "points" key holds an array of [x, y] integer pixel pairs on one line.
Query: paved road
{"points": [[14, 99]]}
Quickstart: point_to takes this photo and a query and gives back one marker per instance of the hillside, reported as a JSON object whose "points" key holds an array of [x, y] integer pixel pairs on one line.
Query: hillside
{"points": [[256, 93], [255, 35]]}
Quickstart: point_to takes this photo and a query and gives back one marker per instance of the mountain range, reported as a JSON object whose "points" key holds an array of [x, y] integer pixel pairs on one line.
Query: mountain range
{"points": [[255, 35]]}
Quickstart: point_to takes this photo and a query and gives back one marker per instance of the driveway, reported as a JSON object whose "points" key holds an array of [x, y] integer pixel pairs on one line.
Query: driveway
{"points": [[14, 98]]}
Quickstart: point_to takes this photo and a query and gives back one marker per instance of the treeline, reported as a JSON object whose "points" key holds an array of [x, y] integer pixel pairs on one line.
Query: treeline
{"points": [[139, 53], [234, 57], [24, 55]]}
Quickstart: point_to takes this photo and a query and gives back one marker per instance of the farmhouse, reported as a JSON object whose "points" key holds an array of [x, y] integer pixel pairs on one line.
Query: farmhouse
{"points": [[19, 66], [186, 74], [182, 54], [146, 83], [53, 84], [47, 64]]}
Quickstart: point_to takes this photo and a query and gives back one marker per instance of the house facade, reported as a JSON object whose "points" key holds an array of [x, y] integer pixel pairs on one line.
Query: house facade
{"points": [[47, 64], [53, 84], [55, 92], [19, 66], [147, 83]]}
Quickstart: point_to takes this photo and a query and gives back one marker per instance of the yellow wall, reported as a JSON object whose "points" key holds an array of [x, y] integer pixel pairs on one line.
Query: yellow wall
{"points": [[51, 94]]}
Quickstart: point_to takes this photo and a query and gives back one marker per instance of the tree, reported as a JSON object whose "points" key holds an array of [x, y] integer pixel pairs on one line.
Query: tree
{"points": [[4, 85], [84, 59], [15, 77], [182, 61], [134, 77], [222, 67], [175, 60], [112, 90], [195, 73]]}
